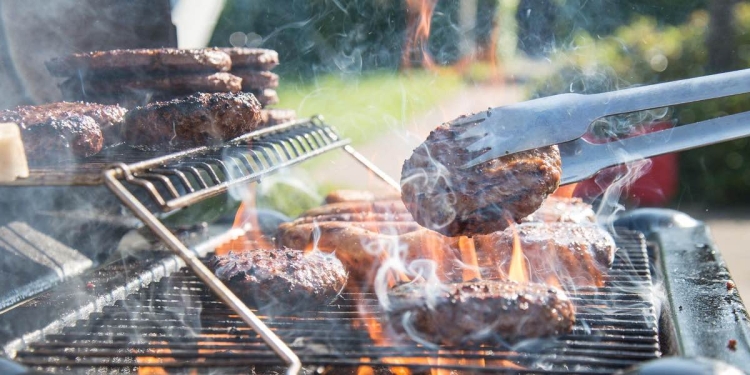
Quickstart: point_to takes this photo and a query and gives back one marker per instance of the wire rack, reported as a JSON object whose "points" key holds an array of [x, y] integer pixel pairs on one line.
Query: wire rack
{"points": [[167, 183]]}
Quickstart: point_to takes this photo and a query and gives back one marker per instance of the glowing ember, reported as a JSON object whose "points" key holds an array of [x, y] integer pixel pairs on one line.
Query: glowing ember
{"points": [[470, 260], [418, 21], [154, 370], [518, 269]]}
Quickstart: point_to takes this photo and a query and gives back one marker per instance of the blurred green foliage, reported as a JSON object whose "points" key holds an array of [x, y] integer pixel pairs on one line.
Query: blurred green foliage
{"points": [[320, 36], [646, 52]]}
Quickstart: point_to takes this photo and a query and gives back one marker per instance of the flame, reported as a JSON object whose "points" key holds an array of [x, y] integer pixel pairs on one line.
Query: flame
{"points": [[418, 22], [154, 370], [565, 191], [470, 259], [246, 217], [518, 271]]}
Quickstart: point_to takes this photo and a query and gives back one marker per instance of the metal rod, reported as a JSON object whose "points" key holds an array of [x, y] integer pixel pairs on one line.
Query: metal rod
{"points": [[200, 270], [372, 167]]}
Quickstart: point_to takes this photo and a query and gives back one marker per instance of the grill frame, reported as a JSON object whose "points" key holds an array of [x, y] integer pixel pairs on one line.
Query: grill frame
{"points": [[642, 340]]}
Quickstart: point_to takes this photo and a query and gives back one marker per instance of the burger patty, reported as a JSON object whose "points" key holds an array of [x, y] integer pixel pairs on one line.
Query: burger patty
{"points": [[277, 116], [177, 84], [478, 312], [362, 246], [444, 197], [575, 254], [55, 130], [566, 210], [266, 97], [252, 58], [256, 80], [130, 62], [192, 120], [281, 280], [345, 195]]}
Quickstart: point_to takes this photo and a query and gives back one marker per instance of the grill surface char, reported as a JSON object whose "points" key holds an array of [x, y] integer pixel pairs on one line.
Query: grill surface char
{"points": [[176, 323]]}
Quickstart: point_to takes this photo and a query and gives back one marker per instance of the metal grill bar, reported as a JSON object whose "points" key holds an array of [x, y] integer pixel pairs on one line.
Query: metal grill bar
{"points": [[182, 179], [177, 324]]}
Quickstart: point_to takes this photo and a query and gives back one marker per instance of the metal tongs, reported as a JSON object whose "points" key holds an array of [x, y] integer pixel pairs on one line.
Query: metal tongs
{"points": [[564, 119]]}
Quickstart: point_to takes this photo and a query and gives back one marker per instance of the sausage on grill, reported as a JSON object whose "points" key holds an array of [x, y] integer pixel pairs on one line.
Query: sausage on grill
{"points": [[478, 312]]}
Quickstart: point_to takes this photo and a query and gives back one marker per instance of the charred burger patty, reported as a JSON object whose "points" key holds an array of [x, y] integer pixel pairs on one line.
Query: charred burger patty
{"points": [[479, 312], [281, 280], [446, 198]]}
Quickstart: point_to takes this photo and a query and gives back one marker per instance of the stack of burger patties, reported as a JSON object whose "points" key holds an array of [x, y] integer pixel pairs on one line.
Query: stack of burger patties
{"points": [[136, 77]]}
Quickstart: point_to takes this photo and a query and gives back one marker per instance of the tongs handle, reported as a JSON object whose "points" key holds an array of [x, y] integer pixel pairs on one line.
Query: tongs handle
{"points": [[582, 159], [672, 93]]}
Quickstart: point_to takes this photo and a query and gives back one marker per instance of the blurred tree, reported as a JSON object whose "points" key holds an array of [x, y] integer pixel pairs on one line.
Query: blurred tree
{"points": [[536, 20], [720, 42]]}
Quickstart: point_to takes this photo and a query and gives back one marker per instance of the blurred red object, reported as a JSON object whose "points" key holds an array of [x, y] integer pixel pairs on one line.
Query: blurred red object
{"points": [[654, 188]]}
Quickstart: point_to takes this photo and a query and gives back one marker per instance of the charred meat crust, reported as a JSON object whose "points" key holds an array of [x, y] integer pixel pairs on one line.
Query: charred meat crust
{"points": [[266, 96], [55, 130], [139, 61], [344, 195], [563, 210], [193, 120], [575, 254], [252, 58], [257, 80], [173, 84], [277, 116], [478, 312], [281, 279], [478, 200]]}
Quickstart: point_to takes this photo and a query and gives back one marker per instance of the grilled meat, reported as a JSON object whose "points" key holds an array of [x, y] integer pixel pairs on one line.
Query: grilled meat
{"points": [[576, 254], [566, 210], [252, 58], [270, 117], [56, 130], [255, 80], [384, 206], [193, 120], [477, 312], [172, 85], [128, 62], [266, 97], [281, 280], [478, 200], [338, 196], [362, 246]]}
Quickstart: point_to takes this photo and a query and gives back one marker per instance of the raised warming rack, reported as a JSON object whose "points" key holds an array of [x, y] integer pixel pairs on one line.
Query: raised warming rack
{"points": [[167, 183]]}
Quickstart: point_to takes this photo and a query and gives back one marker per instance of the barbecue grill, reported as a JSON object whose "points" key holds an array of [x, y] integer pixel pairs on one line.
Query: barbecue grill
{"points": [[668, 293]]}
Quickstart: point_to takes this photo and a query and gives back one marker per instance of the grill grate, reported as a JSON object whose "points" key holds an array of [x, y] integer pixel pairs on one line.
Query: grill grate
{"points": [[177, 324]]}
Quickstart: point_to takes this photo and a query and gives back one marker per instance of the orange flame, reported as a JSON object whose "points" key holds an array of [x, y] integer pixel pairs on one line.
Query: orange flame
{"points": [[418, 22], [154, 370], [253, 239], [565, 191], [518, 270], [469, 258]]}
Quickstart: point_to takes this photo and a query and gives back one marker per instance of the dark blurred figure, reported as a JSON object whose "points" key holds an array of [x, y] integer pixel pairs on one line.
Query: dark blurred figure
{"points": [[536, 26], [33, 31]]}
